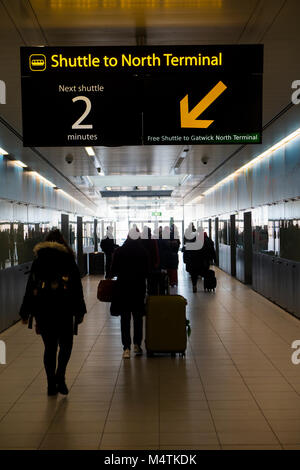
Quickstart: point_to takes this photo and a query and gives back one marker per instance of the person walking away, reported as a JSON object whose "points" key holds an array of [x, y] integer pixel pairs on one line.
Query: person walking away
{"points": [[168, 252], [174, 245], [54, 297], [209, 251], [108, 246], [131, 266], [199, 256], [151, 247], [189, 237]]}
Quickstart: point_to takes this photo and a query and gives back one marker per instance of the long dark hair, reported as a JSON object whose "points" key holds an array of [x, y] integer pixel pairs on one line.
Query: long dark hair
{"points": [[56, 236]]}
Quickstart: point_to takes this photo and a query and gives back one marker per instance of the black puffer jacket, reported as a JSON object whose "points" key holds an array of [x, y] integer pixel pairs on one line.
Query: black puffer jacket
{"points": [[54, 291]]}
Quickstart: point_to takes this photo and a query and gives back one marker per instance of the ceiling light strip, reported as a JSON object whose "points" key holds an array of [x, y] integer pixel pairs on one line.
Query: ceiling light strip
{"points": [[61, 191], [19, 163], [255, 160], [90, 151], [42, 178], [3, 152]]}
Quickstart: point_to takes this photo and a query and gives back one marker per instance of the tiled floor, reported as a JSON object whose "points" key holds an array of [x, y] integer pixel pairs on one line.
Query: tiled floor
{"points": [[235, 389]]}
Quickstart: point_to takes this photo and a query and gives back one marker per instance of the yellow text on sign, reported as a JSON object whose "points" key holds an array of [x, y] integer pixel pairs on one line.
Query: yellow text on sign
{"points": [[189, 119]]}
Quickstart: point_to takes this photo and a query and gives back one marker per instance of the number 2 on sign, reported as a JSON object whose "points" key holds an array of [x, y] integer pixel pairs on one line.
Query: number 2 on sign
{"points": [[77, 124]]}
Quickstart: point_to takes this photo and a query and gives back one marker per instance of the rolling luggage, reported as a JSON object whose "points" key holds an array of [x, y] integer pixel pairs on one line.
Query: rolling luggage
{"points": [[96, 263], [210, 281], [166, 324]]}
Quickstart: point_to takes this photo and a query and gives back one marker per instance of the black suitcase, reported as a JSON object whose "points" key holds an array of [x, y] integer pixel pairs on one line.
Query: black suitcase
{"points": [[96, 263], [210, 281]]}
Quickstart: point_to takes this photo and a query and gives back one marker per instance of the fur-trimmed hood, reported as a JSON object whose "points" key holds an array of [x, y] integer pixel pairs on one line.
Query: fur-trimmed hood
{"points": [[52, 245]]}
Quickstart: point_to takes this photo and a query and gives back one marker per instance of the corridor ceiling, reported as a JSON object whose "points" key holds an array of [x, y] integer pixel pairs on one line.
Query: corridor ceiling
{"points": [[273, 23]]}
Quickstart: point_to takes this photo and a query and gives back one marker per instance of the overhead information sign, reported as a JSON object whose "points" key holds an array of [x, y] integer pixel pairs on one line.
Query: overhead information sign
{"points": [[144, 95]]}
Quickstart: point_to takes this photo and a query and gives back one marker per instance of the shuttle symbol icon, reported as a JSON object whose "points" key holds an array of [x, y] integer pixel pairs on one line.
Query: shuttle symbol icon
{"points": [[37, 62]]}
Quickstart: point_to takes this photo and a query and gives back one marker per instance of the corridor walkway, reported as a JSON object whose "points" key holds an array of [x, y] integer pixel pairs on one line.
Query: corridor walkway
{"points": [[235, 389]]}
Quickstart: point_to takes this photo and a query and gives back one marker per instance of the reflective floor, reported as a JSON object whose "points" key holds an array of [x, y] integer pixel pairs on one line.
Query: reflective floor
{"points": [[237, 387]]}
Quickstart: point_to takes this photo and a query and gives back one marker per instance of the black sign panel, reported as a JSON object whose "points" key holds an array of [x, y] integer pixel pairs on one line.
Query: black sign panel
{"points": [[111, 96]]}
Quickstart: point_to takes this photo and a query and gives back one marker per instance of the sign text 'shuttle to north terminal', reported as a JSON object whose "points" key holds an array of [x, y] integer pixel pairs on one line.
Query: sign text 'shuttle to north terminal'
{"points": [[129, 60]]}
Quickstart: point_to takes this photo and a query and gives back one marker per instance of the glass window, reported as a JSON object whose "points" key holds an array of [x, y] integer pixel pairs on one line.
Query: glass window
{"points": [[262, 232], [88, 233], [224, 231], [239, 230], [73, 235], [289, 239], [204, 224], [21, 228]]}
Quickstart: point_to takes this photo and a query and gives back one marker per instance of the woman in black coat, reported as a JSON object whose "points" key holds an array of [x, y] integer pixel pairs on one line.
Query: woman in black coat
{"points": [[54, 297], [131, 266], [199, 260]]}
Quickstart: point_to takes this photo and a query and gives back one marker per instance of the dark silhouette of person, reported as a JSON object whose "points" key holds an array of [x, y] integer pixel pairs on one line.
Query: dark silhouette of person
{"points": [[151, 246], [108, 246], [131, 266], [198, 260], [54, 297]]}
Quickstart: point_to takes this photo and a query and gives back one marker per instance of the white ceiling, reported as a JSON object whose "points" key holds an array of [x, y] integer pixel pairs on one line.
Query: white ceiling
{"points": [[273, 23]]}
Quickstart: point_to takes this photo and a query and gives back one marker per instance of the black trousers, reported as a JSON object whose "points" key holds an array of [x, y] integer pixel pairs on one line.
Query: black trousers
{"points": [[59, 336], [194, 278], [137, 329], [108, 259], [196, 274]]}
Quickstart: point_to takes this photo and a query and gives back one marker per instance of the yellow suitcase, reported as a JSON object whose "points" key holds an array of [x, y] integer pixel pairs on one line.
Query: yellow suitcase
{"points": [[166, 324]]}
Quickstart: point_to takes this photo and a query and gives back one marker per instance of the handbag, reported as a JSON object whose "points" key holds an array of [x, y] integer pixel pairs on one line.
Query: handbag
{"points": [[105, 290]]}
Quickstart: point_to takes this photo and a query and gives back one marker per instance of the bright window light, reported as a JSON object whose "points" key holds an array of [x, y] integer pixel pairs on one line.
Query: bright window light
{"points": [[255, 160], [90, 151], [3, 152]]}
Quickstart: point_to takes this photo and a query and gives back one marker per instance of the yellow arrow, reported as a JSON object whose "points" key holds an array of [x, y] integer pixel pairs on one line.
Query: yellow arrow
{"points": [[189, 119]]}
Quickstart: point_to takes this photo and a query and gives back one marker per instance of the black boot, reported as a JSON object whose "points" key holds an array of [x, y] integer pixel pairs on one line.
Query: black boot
{"points": [[61, 385], [52, 387]]}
